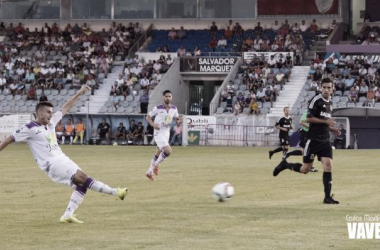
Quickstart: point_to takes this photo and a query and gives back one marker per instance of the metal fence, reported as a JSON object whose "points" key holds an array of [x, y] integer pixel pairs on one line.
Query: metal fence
{"points": [[236, 135]]}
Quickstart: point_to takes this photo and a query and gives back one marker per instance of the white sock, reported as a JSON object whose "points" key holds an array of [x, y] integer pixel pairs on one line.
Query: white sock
{"points": [[63, 139], [161, 158], [75, 200], [102, 188], [154, 158]]}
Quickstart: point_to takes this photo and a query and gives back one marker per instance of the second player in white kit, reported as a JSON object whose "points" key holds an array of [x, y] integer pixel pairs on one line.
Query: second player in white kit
{"points": [[164, 115]]}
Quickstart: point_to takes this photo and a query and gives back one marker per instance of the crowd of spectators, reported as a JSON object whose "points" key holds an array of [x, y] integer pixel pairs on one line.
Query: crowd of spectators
{"points": [[355, 77], [53, 58], [259, 81], [278, 37], [137, 79]]}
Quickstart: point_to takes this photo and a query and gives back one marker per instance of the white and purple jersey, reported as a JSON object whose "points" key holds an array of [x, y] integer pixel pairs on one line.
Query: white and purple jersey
{"points": [[42, 141], [163, 118]]}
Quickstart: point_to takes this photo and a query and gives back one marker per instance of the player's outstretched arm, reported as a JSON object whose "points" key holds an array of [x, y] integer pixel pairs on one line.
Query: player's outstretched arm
{"points": [[70, 103], [6, 142]]}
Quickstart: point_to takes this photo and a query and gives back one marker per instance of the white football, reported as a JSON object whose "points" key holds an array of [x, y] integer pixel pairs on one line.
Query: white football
{"points": [[223, 191]]}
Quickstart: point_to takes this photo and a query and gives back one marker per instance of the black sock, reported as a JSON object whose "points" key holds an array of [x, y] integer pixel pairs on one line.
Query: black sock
{"points": [[295, 152], [296, 167], [327, 182], [277, 150]]}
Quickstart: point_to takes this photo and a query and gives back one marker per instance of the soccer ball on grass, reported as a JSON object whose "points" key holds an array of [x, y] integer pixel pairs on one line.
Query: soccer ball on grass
{"points": [[223, 191]]}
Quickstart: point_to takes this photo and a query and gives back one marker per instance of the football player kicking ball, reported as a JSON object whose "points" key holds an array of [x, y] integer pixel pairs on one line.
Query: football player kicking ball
{"points": [[318, 143], [164, 115], [40, 135]]}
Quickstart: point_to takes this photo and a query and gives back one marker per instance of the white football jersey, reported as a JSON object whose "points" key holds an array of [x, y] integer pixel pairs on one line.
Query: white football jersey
{"points": [[163, 118], [42, 141]]}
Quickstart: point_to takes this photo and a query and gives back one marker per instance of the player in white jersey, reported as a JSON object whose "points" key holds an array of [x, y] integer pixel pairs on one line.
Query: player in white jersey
{"points": [[164, 115], [42, 141]]}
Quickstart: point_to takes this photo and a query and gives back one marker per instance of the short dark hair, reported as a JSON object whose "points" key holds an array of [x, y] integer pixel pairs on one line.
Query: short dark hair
{"points": [[44, 104], [326, 80], [166, 92]]}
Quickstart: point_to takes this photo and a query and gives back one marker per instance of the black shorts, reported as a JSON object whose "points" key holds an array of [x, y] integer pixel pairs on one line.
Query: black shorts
{"points": [[303, 138], [284, 141], [316, 148]]}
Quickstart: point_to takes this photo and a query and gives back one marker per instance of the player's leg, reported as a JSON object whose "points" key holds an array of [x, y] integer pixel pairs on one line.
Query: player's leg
{"points": [[301, 144], [304, 168], [276, 150], [296, 152], [151, 168], [165, 152], [161, 154], [327, 179], [61, 172], [81, 179], [285, 149]]}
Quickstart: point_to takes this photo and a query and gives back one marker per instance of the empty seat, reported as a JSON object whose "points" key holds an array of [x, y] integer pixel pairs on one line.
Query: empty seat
{"points": [[264, 111], [23, 109], [242, 87], [362, 99], [342, 105], [336, 99], [267, 105], [344, 99], [103, 110], [120, 110], [71, 92], [58, 98], [6, 109], [129, 110], [219, 110], [17, 98], [125, 104]]}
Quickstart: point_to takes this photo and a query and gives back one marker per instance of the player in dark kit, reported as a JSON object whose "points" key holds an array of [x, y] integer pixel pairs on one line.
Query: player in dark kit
{"points": [[318, 143], [284, 124], [302, 137]]}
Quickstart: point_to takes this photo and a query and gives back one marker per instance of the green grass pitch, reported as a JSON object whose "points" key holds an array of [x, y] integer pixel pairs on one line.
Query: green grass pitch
{"points": [[177, 211]]}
